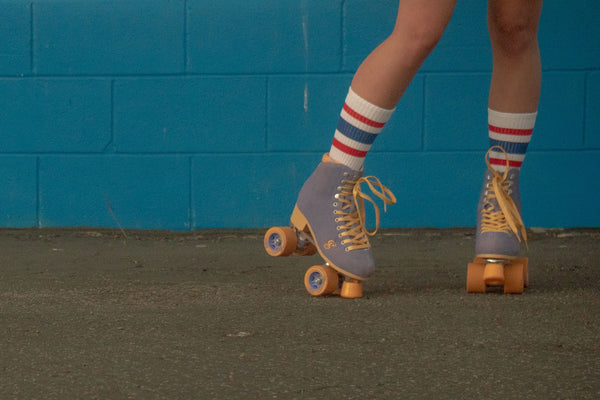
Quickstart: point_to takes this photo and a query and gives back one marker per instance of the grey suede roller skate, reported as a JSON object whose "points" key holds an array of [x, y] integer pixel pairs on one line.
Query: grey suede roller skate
{"points": [[500, 231], [329, 219]]}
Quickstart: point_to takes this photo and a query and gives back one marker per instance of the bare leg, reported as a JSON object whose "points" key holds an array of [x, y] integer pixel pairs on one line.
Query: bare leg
{"points": [[385, 74], [517, 71]]}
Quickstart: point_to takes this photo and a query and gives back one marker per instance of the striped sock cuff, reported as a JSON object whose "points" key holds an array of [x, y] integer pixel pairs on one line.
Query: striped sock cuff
{"points": [[512, 132], [359, 124]]}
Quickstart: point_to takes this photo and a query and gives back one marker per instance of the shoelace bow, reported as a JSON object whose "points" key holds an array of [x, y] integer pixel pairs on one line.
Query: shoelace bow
{"points": [[352, 195], [507, 219]]}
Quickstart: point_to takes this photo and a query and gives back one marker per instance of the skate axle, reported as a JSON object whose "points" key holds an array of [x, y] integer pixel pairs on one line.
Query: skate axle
{"points": [[496, 261]]}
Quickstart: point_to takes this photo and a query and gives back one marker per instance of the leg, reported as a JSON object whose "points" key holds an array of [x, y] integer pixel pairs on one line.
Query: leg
{"points": [[513, 102], [385, 74], [517, 71], [328, 206]]}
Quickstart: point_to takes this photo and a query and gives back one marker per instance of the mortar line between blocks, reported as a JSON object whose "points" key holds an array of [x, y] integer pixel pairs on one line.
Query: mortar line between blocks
{"points": [[191, 213], [424, 113], [38, 217], [31, 37], [111, 128], [266, 138], [342, 36], [185, 37], [584, 138]]}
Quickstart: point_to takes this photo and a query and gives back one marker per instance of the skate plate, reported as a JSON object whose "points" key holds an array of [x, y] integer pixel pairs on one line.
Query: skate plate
{"points": [[319, 280], [483, 274]]}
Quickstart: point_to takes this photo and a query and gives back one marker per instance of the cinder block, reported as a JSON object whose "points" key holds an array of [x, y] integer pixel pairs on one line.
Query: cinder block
{"points": [[54, 115], [366, 24], [264, 36], [304, 111], [456, 112], [432, 189], [149, 192], [109, 37], [404, 130], [560, 189], [560, 121], [592, 111], [464, 46], [248, 191], [208, 114], [15, 31], [569, 36], [19, 191], [442, 189]]}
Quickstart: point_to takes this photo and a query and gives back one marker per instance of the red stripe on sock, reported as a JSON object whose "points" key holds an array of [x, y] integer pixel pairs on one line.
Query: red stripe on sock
{"points": [[511, 131], [348, 150], [502, 161], [363, 119]]}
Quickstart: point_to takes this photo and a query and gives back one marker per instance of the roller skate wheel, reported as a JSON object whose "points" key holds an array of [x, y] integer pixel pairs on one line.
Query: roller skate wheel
{"points": [[321, 280], [475, 282], [494, 274], [351, 289], [280, 241], [513, 278], [525, 262]]}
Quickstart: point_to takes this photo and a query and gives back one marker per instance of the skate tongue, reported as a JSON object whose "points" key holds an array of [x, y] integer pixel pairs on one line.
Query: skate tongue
{"points": [[509, 214], [354, 228]]}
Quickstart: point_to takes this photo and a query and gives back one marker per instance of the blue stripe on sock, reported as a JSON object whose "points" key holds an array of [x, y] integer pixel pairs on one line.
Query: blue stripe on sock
{"points": [[510, 147], [354, 133]]}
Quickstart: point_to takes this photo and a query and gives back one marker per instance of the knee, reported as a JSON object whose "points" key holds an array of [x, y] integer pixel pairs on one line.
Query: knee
{"points": [[417, 42], [513, 36]]}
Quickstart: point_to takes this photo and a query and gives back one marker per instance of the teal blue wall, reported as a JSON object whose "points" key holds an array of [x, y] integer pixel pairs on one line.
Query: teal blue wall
{"points": [[186, 114]]}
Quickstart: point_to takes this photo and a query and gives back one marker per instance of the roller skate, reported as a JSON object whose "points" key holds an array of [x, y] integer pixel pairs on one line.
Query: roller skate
{"points": [[500, 231], [329, 219]]}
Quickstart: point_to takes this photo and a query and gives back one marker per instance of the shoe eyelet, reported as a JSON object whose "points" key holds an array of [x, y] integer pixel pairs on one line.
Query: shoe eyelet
{"points": [[335, 204]]}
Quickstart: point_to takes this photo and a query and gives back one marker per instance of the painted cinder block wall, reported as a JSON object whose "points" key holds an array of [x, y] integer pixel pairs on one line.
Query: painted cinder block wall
{"points": [[188, 114]]}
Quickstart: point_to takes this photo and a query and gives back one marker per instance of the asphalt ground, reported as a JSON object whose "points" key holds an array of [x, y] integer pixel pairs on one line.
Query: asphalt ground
{"points": [[109, 314]]}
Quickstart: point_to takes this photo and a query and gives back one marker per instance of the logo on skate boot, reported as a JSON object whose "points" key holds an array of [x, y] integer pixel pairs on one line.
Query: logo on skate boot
{"points": [[329, 245]]}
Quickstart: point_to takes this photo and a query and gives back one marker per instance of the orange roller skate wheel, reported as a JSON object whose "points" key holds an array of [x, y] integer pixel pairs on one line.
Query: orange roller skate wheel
{"points": [[351, 289], [525, 262], [280, 241], [475, 282], [493, 274], [513, 278], [321, 280]]}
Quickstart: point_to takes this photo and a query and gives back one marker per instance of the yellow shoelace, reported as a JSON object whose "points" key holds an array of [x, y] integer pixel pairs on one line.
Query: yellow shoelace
{"points": [[351, 194], [507, 219]]}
